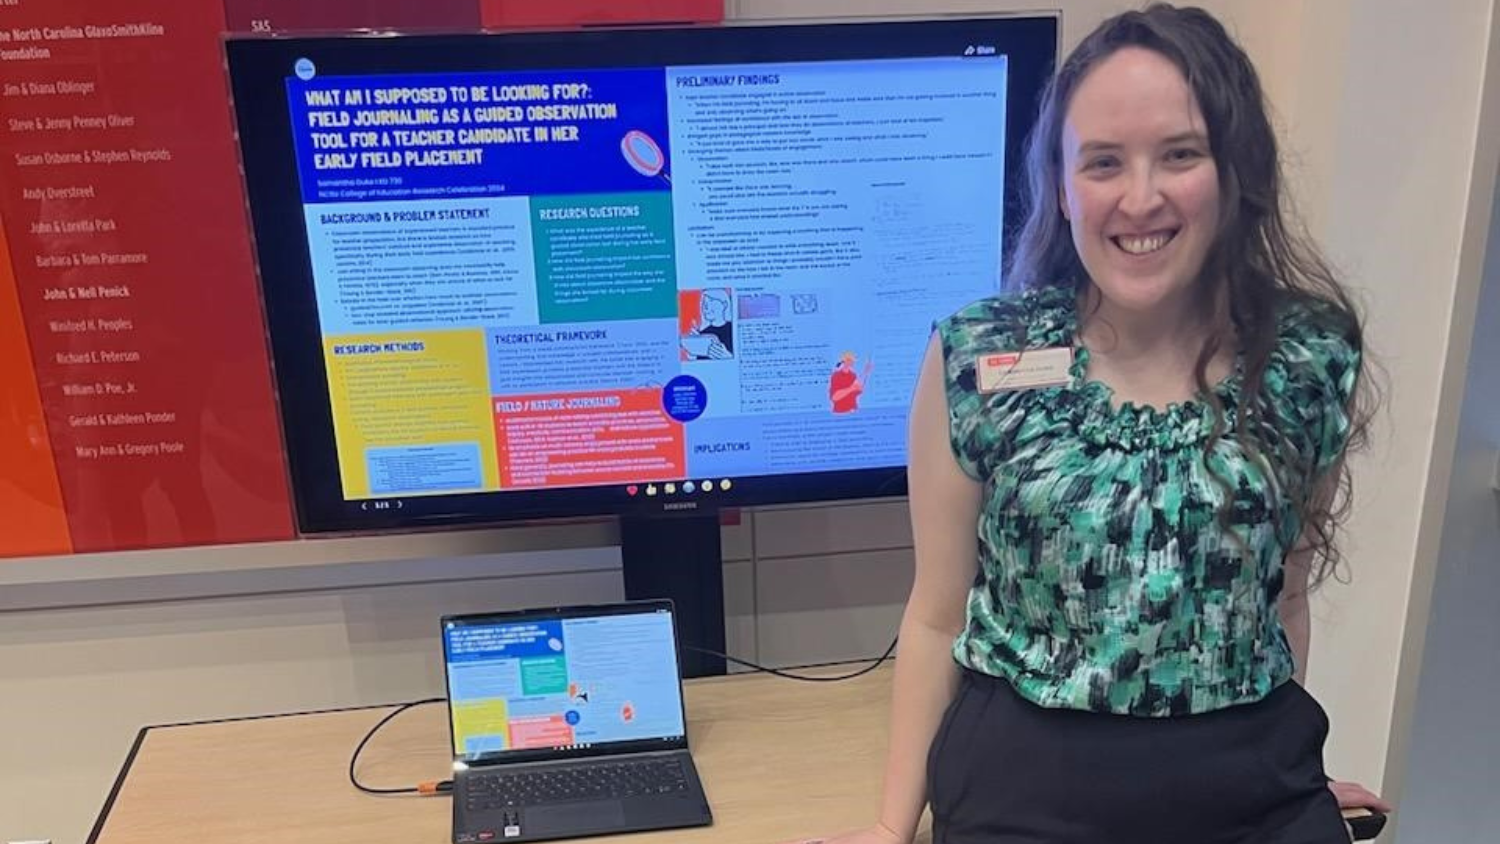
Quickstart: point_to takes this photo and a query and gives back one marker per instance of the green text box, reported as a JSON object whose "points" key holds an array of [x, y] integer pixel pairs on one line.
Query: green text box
{"points": [[547, 675], [604, 257]]}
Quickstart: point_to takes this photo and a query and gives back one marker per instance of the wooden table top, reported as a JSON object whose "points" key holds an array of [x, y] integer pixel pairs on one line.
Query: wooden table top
{"points": [[779, 760]]}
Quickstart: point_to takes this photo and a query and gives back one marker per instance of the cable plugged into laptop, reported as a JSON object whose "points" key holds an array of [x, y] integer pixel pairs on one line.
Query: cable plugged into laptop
{"points": [[593, 699], [426, 788], [432, 788]]}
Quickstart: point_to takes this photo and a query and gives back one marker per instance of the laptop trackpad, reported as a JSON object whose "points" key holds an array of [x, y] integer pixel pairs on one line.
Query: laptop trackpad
{"points": [[575, 817]]}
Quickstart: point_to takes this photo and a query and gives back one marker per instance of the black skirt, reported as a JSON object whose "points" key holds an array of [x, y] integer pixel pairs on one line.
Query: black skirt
{"points": [[1003, 770]]}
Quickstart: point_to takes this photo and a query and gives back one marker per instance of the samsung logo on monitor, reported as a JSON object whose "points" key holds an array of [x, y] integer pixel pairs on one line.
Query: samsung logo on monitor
{"points": [[680, 505]]}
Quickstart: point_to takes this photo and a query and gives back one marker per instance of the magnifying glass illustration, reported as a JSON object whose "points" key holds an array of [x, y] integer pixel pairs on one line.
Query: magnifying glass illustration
{"points": [[644, 155]]}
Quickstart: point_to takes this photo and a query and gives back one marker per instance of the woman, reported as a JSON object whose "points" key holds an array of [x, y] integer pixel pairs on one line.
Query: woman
{"points": [[1114, 655]]}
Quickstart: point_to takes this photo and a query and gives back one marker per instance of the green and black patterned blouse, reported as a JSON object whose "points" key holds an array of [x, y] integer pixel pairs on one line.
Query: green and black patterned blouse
{"points": [[1107, 581]]}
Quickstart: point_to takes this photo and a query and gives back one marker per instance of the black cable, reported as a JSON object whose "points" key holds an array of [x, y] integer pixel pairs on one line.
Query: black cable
{"points": [[803, 677], [445, 785]]}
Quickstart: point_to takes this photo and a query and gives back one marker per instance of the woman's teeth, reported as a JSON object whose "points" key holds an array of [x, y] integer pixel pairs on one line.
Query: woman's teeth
{"points": [[1141, 245]]}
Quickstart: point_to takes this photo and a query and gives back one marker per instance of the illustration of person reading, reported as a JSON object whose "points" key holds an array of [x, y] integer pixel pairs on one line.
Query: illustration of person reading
{"points": [[844, 386], [711, 336]]}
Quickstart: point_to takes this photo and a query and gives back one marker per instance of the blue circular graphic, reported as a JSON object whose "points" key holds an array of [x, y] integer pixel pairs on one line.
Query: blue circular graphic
{"points": [[304, 69], [684, 398], [572, 717]]}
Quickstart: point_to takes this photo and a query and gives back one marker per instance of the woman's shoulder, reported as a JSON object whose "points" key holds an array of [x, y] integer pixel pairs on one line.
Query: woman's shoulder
{"points": [[1011, 320], [1308, 317], [980, 431], [1314, 369], [1311, 378], [1314, 334]]}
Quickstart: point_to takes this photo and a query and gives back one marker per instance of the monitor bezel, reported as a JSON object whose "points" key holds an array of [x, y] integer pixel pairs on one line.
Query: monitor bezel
{"points": [[258, 67]]}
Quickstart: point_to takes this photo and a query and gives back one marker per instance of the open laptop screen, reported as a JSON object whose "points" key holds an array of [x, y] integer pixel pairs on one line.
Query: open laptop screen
{"points": [[564, 683]]}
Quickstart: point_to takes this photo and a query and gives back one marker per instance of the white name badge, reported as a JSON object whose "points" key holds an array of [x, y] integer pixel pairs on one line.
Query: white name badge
{"points": [[1024, 370]]}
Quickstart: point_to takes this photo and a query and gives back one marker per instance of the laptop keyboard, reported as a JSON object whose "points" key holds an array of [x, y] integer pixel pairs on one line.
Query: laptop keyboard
{"points": [[591, 781]]}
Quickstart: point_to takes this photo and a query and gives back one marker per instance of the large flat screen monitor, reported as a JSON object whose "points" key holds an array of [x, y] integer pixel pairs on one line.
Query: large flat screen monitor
{"points": [[526, 275]]}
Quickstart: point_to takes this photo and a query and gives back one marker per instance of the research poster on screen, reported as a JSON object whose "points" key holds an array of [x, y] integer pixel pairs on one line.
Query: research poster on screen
{"points": [[568, 278]]}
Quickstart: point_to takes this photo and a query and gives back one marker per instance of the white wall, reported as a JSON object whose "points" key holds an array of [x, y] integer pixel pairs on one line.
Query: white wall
{"points": [[1380, 102], [1398, 178], [1455, 756]]}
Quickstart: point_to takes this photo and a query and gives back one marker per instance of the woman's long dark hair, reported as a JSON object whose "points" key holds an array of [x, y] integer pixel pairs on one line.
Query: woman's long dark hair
{"points": [[1259, 259]]}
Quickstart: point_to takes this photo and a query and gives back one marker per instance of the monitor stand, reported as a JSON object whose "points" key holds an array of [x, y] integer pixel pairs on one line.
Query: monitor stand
{"points": [[678, 557]]}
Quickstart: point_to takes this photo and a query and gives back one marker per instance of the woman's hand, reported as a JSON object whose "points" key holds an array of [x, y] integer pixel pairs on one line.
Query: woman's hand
{"points": [[1352, 795], [877, 834]]}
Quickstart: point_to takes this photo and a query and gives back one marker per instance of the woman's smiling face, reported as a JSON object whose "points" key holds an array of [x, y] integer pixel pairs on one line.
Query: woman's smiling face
{"points": [[1140, 188]]}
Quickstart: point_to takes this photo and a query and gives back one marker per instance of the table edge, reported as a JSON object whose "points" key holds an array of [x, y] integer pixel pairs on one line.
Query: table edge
{"points": [[114, 791], [140, 738]]}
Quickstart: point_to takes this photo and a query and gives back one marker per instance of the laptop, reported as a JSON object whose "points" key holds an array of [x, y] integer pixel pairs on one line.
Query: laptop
{"points": [[568, 722]]}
